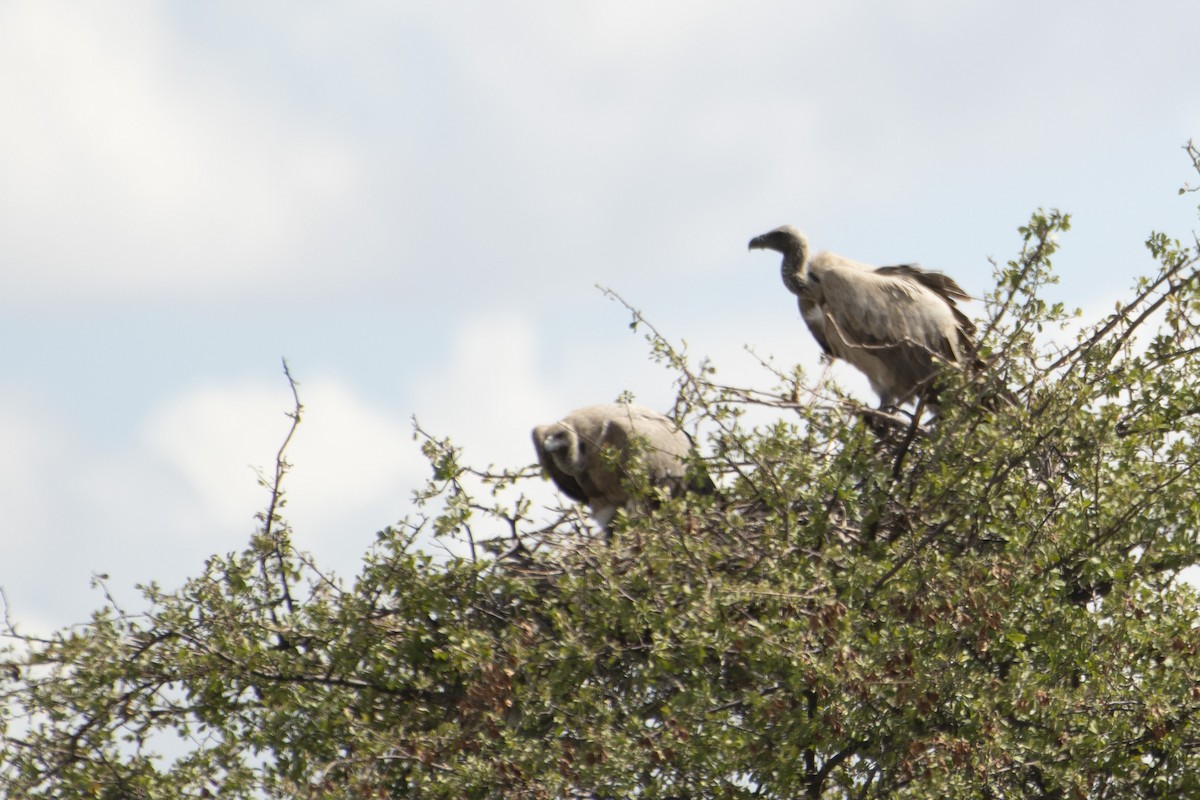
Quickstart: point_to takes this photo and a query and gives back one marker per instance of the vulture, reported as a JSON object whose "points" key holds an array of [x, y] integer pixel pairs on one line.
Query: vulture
{"points": [[584, 454], [892, 323]]}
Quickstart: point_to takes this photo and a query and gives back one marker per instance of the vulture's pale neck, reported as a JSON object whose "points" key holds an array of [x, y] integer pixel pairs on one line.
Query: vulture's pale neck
{"points": [[793, 267]]}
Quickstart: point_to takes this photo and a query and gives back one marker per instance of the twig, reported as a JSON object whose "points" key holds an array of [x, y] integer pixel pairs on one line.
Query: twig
{"points": [[270, 534]]}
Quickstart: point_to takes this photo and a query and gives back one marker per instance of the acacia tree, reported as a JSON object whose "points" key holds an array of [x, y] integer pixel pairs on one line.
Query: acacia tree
{"points": [[985, 605]]}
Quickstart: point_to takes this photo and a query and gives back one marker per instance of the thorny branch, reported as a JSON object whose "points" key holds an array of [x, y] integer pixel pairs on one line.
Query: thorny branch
{"points": [[1193, 153], [1032, 259], [1175, 287], [274, 537]]}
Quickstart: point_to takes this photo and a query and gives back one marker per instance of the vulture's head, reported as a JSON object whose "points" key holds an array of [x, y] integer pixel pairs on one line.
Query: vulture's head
{"points": [[791, 242], [561, 443], [784, 239]]}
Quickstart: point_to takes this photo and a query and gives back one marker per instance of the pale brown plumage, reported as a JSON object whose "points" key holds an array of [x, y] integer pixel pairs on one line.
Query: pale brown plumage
{"points": [[573, 453], [892, 323]]}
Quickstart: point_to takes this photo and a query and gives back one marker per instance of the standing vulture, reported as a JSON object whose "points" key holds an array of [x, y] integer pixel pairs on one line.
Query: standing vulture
{"points": [[573, 453], [892, 323]]}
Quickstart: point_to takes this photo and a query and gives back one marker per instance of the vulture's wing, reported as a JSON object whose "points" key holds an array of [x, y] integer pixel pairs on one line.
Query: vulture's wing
{"points": [[887, 323], [666, 445], [566, 482], [936, 282], [943, 286], [604, 442], [874, 308], [666, 450]]}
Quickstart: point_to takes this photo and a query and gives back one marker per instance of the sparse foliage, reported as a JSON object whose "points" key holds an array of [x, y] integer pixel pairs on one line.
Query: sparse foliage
{"points": [[988, 605]]}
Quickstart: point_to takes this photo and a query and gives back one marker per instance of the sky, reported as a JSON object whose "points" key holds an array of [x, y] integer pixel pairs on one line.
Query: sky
{"points": [[414, 204]]}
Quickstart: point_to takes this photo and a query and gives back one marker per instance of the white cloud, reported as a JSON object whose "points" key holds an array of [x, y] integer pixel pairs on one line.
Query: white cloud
{"points": [[36, 457], [143, 158], [131, 168], [488, 393], [186, 489], [213, 439], [353, 465], [69, 509]]}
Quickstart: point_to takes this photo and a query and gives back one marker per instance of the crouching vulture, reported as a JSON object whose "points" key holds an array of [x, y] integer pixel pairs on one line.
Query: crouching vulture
{"points": [[586, 452], [893, 323]]}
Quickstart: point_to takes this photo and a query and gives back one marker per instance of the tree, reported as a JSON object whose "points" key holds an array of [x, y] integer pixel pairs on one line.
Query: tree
{"points": [[985, 605]]}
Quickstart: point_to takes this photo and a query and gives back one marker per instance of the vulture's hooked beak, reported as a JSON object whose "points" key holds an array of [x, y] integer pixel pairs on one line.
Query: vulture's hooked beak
{"points": [[756, 244]]}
